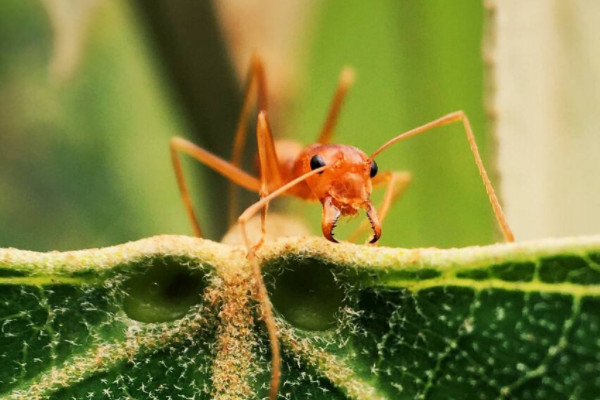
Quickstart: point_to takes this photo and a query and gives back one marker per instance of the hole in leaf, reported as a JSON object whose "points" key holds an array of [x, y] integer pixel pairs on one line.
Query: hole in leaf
{"points": [[307, 295], [165, 291]]}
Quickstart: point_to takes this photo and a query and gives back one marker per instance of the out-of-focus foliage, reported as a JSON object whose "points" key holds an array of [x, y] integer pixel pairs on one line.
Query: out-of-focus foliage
{"points": [[90, 155], [83, 162]]}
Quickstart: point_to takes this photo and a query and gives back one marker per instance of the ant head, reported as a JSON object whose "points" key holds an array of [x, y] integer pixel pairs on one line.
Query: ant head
{"points": [[344, 187]]}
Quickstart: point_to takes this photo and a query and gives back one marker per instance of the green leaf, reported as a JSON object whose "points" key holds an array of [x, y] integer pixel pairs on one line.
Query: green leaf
{"points": [[176, 316]]}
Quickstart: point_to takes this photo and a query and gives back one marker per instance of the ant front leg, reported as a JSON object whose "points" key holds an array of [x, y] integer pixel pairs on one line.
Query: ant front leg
{"points": [[270, 175], [396, 182], [267, 308]]}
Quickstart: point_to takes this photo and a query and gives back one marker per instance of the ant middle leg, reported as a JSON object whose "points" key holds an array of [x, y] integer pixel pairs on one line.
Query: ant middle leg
{"points": [[263, 297], [256, 78], [249, 182], [214, 162]]}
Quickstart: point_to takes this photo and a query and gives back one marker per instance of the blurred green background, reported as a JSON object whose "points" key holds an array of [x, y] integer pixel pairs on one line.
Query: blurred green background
{"points": [[84, 161]]}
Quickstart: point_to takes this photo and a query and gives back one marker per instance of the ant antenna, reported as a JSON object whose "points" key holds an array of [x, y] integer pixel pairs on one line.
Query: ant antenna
{"points": [[447, 119]]}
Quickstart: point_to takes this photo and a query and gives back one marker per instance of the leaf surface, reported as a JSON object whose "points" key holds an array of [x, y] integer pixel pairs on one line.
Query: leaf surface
{"points": [[175, 317]]}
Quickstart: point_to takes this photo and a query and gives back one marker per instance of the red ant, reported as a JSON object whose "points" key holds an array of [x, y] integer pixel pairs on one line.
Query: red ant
{"points": [[341, 177]]}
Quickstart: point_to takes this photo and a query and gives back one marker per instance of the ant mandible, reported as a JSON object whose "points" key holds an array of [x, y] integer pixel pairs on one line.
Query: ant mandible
{"points": [[340, 177]]}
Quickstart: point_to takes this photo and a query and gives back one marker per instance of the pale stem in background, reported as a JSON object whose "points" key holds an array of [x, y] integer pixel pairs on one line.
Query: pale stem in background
{"points": [[547, 107], [70, 20], [278, 31]]}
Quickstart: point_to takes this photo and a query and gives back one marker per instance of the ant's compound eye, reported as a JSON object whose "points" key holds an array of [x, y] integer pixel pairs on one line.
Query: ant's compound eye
{"points": [[317, 162], [373, 169]]}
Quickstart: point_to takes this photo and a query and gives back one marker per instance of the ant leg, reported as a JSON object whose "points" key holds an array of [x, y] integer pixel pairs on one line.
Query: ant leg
{"points": [[223, 167], [256, 77], [263, 297], [270, 175], [397, 182], [270, 172], [447, 119], [345, 81], [255, 80], [254, 208]]}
